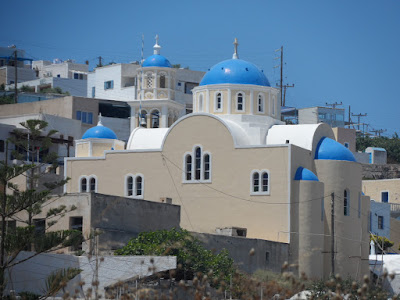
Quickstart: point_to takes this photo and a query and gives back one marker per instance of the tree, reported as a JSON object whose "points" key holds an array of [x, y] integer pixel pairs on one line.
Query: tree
{"points": [[24, 204], [190, 253]]}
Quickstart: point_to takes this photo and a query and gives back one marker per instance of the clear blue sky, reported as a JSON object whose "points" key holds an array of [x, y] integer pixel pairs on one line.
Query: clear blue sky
{"points": [[335, 50]]}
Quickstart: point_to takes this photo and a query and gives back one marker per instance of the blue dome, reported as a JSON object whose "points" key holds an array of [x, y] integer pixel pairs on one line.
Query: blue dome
{"points": [[331, 150], [157, 60], [99, 132], [235, 71], [305, 174]]}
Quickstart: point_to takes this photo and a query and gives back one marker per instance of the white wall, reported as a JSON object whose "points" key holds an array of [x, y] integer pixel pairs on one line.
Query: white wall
{"points": [[30, 276]]}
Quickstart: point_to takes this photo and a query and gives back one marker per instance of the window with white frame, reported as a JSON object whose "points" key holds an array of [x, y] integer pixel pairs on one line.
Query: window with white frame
{"points": [[240, 101], [201, 104], [259, 182], [197, 166], [260, 103], [218, 102], [346, 202], [88, 184], [162, 81], [134, 185]]}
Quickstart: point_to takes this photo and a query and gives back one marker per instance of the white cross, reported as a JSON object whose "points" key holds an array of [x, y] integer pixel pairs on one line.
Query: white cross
{"points": [[235, 55]]}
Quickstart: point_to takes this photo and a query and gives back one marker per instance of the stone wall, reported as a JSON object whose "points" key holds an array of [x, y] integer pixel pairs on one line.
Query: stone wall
{"points": [[388, 171], [249, 255]]}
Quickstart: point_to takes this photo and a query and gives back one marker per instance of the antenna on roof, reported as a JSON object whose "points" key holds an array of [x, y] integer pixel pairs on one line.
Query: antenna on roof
{"points": [[142, 121]]}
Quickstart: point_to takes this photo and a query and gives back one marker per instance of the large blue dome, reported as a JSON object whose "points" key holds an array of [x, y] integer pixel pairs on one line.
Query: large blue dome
{"points": [[305, 174], [157, 60], [99, 132], [331, 150], [235, 71]]}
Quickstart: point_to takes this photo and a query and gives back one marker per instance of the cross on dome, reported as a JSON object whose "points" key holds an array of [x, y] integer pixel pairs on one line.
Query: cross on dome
{"points": [[157, 47], [235, 54], [99, 123]]}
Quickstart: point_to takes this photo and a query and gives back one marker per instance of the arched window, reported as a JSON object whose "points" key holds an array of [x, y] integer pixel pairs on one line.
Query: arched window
{"points": [[260, 104], [155, 119], [162, 81], [197, 166], [143, 119], [83, 185], [188, 167], [265, 182], [93, 184], [346, 202], [218, 102], [197, 163], [259, 181], [149, 81], [201, 108], [206, 166], [139, 189], [129, 186], [256, 182], [239, 102]]}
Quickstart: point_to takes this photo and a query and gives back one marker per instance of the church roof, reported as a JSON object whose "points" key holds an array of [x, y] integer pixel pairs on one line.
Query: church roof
{"points": [[99, 132], [329, 149], [235, 71], [305, 174], [157, 60]]}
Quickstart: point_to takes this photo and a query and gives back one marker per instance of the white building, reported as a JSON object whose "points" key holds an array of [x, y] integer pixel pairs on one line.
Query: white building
{"points": [[334, 117]]}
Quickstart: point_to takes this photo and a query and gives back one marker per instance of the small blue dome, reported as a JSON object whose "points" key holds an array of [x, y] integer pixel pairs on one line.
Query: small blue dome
{"points": [[305, 174], [157, 60], [235, 71], [331, 150], [99, 132]]}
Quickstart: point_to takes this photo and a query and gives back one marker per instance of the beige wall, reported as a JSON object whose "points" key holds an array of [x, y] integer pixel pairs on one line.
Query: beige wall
{"points": [[351, 235], [373, 188], [63, 107], [395, 232], [225, 202], [346, 135]]}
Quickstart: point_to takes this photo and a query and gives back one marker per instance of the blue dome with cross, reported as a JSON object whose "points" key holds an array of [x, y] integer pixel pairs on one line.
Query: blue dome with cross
{"points": [[157, 60], [99, 132], [235, 71]]}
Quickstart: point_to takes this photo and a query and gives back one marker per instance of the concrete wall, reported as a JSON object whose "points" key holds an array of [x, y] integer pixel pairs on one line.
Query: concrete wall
{"points": [[346, 135], [351, 231], [23, 75], [120, 219], [31, 275], [395, 232], [374, 189], [121, 127], [361, 157], [379, 209], [308, 115], [239, 250]]}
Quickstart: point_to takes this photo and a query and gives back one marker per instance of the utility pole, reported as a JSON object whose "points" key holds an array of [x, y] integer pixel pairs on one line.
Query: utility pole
{"points": [[379, 131], [16, 77], [100, 63], [359, 116], [281, 85], [333, 233]]}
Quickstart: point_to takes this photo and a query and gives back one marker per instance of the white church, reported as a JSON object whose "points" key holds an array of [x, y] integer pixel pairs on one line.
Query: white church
{"points": [[234, 163]]}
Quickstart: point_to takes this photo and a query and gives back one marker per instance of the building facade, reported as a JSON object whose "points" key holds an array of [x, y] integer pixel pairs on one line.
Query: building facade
{"points": [[232, 163]]}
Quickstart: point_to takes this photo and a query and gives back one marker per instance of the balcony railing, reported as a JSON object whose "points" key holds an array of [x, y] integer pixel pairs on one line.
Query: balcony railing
{"points": [[395, 207]]}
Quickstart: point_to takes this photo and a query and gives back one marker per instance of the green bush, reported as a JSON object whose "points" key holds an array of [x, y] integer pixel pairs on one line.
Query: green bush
{"points": [[191, 255]]}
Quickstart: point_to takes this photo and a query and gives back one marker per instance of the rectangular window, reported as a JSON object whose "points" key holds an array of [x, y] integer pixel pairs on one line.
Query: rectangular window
{"points": [[84, 117], [380, 222], [1, 145], [76, 223], [78, 115], [76, 76], [93, 91], [58, 75], [90, 118], [40, 226], [189, 86], [346, 144], [385, 197], [267, 257], [109, 84]]}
